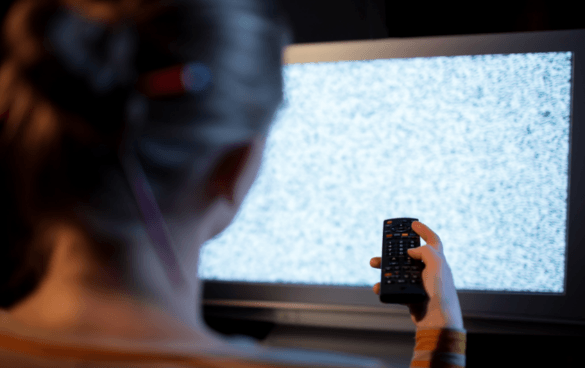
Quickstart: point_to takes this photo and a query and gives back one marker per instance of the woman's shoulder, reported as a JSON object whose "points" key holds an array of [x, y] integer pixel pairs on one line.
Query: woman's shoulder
{"points": [[303, 357], [20, 347]]}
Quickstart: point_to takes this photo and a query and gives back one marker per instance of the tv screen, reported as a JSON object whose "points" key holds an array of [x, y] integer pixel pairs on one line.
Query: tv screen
{"points": [[469, 134]]}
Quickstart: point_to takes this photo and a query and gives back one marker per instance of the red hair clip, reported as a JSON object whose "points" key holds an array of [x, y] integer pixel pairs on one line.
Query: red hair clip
{"points": [[176, 80]]}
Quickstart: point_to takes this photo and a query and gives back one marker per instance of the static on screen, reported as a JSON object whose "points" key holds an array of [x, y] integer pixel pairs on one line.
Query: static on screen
{"points": [[476, 147]]}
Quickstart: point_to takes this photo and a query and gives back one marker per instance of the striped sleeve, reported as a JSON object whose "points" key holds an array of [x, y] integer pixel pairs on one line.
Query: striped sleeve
{"points": [[439, 348]]}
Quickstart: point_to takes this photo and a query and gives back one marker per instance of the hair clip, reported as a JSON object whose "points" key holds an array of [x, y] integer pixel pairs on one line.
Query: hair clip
{"points": [[176, 80]]}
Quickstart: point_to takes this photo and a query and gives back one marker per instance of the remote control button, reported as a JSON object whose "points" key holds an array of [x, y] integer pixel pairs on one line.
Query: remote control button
{"points": [[402, 227], [397, 268], [400, 281], [412, 281], [388, 274], [387, 268], [389, 281]]}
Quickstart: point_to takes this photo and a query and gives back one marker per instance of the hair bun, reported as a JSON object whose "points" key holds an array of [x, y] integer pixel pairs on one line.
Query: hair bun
{"points": [[103, 56]]}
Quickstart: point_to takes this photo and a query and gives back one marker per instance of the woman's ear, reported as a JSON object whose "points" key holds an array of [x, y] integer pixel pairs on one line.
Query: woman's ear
{"points": [[235, 171], [225, 175]]}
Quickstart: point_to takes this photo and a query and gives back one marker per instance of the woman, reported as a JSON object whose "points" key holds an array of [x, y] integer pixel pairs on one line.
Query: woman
{"points": [[132, 131]]}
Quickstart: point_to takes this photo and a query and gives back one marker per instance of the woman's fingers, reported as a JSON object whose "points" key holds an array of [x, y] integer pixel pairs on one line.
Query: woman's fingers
{"points": [[428, 235], [376, 262]]}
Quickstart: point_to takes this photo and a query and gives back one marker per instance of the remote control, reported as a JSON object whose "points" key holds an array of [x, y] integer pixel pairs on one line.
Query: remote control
{"points": [[401, 274]]}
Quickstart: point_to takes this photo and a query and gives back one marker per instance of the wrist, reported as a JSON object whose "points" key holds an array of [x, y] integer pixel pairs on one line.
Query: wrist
{"points": [[453, 326], [446, 324]]}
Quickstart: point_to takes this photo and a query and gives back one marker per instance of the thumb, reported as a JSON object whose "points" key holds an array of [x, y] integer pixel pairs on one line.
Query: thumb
{"points": [[426, 254], [415, 253]]}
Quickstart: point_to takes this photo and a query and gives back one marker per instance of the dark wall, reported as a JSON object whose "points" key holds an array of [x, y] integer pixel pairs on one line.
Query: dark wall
{"points": [[336, 20], [339, 20], [422, 18]]}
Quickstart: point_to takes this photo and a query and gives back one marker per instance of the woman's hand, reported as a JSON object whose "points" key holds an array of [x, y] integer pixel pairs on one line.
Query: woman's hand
{"points": [[441, 309]]}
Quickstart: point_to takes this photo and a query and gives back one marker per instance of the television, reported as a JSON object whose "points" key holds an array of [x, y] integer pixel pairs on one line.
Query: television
{"points": [[478, 136]]}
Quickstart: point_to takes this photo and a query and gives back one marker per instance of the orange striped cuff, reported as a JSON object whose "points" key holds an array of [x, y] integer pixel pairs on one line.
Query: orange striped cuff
{"points": [[439, 348]]}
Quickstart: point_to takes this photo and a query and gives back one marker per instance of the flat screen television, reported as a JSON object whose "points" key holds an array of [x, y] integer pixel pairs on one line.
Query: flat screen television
{"points": [[481, 137]]}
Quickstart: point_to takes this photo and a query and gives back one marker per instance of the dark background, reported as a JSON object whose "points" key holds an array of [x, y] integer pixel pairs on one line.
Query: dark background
{"points": [[343, 20], [340, 20]]}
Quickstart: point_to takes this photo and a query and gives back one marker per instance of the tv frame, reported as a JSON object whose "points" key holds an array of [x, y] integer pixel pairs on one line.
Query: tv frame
{"points": [[352, 307]]}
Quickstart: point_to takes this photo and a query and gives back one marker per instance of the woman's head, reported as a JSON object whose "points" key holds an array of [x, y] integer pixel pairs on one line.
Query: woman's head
{"points": [[60, 145]]}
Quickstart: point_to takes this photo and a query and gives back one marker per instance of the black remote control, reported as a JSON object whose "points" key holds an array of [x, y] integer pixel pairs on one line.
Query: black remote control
{"points": [[401, 274]]}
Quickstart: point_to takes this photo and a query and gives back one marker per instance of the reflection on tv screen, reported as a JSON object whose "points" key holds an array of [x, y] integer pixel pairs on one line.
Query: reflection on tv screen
{"points": [[476, 147]]}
